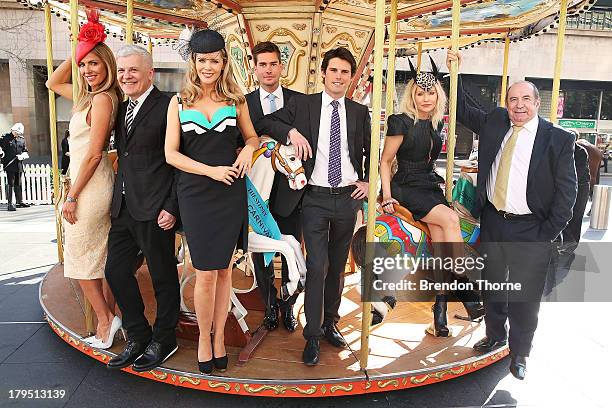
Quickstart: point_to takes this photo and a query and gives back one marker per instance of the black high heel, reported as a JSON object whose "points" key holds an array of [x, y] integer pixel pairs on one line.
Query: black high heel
{"points": [[438, 327], [221, 362], [206, 367]]}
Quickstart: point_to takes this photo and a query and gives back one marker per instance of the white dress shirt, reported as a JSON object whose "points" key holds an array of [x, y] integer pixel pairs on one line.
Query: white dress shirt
{"points": [[516, 197], [320, 172], [265, 101], [140, 101]]}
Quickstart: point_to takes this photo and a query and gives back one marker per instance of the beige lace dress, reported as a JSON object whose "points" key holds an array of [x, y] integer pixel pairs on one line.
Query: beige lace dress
{"points": [[85, 242]]}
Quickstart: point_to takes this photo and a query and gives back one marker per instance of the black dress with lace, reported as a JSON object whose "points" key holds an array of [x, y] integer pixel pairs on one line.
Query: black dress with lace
{"points": [[416, 185]]}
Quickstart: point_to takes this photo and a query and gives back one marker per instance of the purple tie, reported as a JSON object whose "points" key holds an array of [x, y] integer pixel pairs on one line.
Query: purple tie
{"points": [[334, 172]]}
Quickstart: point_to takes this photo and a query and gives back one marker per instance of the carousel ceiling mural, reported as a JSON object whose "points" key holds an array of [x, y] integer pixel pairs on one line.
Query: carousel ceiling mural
{"points": [[305, 29]]}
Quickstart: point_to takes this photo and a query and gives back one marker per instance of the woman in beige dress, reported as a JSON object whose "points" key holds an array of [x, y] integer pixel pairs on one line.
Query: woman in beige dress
{"points": [[86, 211]]}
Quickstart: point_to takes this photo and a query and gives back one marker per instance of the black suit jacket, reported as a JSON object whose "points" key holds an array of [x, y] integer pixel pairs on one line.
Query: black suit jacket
{"points": [[281, 192], [551, 179], [303, 112], [149, 181], [12, 146]]}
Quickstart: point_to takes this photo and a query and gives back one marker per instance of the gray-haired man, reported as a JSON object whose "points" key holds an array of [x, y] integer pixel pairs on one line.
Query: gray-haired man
{"points": [[144, 210]]}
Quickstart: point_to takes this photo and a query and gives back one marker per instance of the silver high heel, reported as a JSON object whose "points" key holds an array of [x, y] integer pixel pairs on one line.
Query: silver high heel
{"points": [[115, 326]]}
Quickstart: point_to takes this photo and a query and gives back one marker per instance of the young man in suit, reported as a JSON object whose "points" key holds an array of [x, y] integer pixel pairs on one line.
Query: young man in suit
{"points": [[525, 193], [332, 136], [144, 211], [284, 204]]}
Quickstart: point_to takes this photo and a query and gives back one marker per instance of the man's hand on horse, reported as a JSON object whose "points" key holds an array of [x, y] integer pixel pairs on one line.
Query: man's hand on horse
{"points": [[244, 161], [361, 191], [302, 148], [165, 220]]}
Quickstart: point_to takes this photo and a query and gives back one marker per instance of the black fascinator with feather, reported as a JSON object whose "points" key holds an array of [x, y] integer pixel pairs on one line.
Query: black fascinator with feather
{"points": [[425, 80]]}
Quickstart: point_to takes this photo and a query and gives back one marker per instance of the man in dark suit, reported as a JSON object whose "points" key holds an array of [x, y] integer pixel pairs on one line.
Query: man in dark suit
{"points": [[284, 205], [525, 193], [14, 147], [338, 130], [144, 210]]}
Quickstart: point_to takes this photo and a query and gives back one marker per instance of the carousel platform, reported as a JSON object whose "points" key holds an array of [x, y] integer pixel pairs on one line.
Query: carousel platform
{"points": [[401, 354]]}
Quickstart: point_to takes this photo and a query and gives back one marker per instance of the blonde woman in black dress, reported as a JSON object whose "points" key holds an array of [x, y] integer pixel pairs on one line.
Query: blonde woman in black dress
{"points": [[201, 141], [413, 137]]}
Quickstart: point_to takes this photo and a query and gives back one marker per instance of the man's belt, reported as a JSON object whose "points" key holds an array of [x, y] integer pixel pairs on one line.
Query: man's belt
{"points": [[331, 190], [517, 217]]}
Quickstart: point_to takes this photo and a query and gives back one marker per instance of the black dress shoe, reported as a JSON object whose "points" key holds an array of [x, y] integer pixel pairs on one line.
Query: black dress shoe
{"points": [[22, 205], [206, 367], [310, 356], [438, 327], [333, 336], [155, 354], [486, 344], [289, 320], [130, 353], [11, 207], [270, 320], [518, 366]]}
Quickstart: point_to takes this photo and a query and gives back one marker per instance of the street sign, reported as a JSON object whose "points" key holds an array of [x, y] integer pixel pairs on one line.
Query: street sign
{"points": [[578, 123]]}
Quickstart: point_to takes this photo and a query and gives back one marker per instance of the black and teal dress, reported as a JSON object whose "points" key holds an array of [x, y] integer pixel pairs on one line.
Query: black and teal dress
{"points": [[415, 184], [214, 215]]}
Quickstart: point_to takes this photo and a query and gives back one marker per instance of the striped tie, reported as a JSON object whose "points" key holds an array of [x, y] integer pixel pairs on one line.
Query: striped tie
{"points": [[129, 116], [503, 170], [334, 171]]}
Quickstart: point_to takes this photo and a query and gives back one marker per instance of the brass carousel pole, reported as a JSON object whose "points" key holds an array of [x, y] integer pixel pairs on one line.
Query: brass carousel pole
{"points": [[554, 101], [419, 56], [150, 46], [504, 84], [379, 44], [390, 91], [53, 132], [452, 103], [129, 23]]}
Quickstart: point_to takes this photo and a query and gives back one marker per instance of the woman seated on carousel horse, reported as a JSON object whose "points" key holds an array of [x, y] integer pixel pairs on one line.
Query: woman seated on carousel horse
{"points": [[204, 121], [86, 211], [414, 139]]}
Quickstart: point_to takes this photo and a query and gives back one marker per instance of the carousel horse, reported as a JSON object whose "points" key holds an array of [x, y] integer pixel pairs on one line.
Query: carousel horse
{"points": [[405, 235]]}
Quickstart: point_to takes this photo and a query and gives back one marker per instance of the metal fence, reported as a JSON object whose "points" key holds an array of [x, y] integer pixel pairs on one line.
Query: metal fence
{"points": [[36, 186]]}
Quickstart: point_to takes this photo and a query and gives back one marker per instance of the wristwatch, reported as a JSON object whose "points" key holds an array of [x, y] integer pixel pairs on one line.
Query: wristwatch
{"points": [[71, 199]]}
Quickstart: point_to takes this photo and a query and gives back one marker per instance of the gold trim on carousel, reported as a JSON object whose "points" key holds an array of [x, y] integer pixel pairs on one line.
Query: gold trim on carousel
{"points": [[237, 388], [293, 77], [279, 389], [160, 376], [384, 384], [345, 388], [299, 27], [283, 32], [262, 27], [368, 385], [437, 375], [97, 353], [346, 37], [72, 340], [224, 385], [192, 381], [323, 389]]}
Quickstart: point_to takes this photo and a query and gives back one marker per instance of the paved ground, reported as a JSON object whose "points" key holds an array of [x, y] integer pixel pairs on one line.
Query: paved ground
{"points": [[568, 367]]}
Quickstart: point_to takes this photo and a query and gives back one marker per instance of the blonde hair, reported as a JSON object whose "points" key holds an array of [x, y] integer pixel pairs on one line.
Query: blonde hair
{"points": [[85, 94], [408, 104], [226, 87]]}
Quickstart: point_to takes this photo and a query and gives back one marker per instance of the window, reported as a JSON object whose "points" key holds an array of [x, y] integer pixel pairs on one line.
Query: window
{"points": [[606, 106], [580, 104]]}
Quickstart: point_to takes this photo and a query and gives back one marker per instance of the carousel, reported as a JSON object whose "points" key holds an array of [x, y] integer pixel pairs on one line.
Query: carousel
{"points": [[388, 348]]}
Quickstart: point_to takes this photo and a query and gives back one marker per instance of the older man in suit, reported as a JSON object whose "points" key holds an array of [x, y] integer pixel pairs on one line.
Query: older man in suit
{"points": [[332, 135], [144, 210], [525, 193], [14, 148], [284, 205]]}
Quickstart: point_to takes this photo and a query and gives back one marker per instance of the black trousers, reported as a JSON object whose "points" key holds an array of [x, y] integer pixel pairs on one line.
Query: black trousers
{"points": [[13, 183], [126, 237], [328, 222], [513, 254], [290, 225], [573, 231]]}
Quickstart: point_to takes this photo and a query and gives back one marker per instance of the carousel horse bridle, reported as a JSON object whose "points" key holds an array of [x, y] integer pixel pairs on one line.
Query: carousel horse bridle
{"points": [[271, 150]]}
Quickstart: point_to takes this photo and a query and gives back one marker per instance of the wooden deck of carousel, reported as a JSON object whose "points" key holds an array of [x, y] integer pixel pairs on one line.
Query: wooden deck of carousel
{"points": [[401, 354]]}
